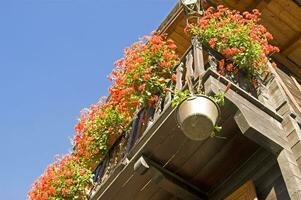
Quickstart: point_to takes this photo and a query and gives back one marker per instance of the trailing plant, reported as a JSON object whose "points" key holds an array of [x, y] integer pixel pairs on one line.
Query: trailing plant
{"points": [[239, 37], [142, 75], [65, 179], [138, 80], [218, 98], [96, 131], [181, 95]]}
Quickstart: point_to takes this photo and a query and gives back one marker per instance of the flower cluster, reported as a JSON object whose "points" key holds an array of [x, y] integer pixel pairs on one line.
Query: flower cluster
{"points": [[98, 128], [62, 180], [143, 73], [138, 80], [239, 37]]}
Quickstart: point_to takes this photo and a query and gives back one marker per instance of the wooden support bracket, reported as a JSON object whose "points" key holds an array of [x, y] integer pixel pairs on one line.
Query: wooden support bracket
{"points": [[169, 181]]}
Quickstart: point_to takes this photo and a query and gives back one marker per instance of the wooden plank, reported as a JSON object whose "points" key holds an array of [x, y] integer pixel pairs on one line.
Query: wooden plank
{"points": [[166, 121], [293, 67], [239, 5], [173, 183], [296, 83], [290, 6], [131, 187], [175, 15], [160, 195], [276, 191], [287, 16], [231, 156], [291, 175], [284, 87], [212, 85], [293, 44], [112, 186], [180, 39], [147, 191], [253, 122], [268, 176], [179, 158], [245, 192], [280, 30], [241, 175], [205, 153], [297, 149], [294, 56]]}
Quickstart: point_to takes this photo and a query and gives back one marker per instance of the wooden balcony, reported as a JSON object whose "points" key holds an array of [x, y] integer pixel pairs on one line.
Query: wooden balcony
{"points": [[156, 161], [262, 133]]}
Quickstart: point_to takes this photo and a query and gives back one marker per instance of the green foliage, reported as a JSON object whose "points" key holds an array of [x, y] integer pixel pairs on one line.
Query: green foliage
{"points": [[179, 96]]}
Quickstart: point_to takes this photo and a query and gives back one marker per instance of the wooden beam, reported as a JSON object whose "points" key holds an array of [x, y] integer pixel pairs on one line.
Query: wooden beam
{"points": [[254, 4], [260, 130], [294, 43], [285, 88], [296, 83], [291, 66], [241, 175], [291, 173], [215, 83], [169, 181], [257, 123]]}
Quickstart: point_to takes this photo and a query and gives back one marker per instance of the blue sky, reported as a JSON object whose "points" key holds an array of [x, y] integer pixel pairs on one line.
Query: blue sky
{"points": [[55, 56]]}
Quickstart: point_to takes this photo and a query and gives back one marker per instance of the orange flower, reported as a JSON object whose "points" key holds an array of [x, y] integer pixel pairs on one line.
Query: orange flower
{"points": [[136, 76], [141, 88], [212, 42], [174, 77]]}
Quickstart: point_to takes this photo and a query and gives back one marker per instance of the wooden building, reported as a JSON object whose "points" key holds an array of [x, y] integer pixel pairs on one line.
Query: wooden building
{"points": [[261, 155]]}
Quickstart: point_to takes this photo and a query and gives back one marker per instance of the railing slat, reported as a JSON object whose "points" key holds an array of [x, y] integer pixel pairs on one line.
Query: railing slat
{"points": [[199, 67], [179, 72], [189, 72]]}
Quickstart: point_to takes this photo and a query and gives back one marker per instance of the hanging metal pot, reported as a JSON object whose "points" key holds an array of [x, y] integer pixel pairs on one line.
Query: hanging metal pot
{"points": [[197, 116]]}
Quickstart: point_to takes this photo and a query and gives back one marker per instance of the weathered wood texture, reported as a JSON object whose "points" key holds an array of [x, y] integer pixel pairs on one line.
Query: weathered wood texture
{"points": [[263, 170], [253, 121], [290, 173], [216, 166]]}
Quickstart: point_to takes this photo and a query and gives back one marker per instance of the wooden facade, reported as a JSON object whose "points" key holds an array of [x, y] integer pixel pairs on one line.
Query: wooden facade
{"points": [[260, 156]]}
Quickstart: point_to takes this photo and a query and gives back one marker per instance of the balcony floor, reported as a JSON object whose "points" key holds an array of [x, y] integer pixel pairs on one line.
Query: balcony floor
{"points": [[204, 164]]}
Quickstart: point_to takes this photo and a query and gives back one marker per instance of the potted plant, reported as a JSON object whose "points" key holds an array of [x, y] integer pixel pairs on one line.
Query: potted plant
{"points": [[243, 42]]}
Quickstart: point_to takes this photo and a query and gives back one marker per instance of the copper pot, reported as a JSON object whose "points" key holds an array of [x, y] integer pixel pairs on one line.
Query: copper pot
{"points": [[197, 116]]}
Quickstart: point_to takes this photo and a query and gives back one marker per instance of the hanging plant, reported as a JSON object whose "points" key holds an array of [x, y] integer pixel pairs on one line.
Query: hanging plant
{"points": [[239, 38]]}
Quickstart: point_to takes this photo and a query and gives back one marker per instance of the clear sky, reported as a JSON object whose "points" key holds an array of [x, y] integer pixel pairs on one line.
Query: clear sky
{"points": [[55, 56]]}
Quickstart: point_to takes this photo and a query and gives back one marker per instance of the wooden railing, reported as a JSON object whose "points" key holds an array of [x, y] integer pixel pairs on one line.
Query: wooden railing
{"points": [[199, 62]]}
